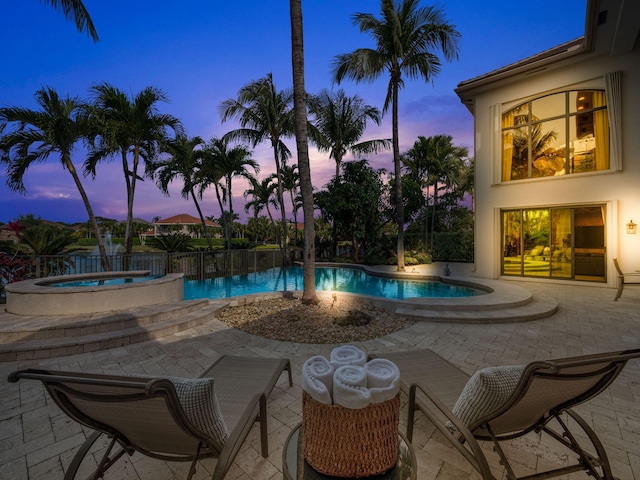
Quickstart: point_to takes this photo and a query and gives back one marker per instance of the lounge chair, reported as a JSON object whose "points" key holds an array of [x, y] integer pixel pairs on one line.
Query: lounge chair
{"points": [[504, 403], [624, 279], [168, 418]]}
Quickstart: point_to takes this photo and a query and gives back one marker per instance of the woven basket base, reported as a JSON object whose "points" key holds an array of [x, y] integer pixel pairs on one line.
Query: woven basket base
{"points": [[345, 442]]}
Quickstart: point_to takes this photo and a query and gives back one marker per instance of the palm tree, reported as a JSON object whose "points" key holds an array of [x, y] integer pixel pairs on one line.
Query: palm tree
{"points": [[54, 130], [229, 163], [264, 113], [184, 164], [302, 145], [291, 184], [262, 196], [407, 36], [132, 128], [436, 162], [76, 11], [340, 122]]}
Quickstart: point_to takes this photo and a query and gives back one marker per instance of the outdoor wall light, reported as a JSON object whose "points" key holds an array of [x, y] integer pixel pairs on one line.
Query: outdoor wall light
{"points": [[632, 228]]}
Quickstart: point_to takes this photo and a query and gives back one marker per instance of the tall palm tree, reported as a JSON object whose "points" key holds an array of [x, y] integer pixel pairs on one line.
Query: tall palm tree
{"points": [[264, 114], [54, 130], [302, 145], [231, 163], [184, 163], [134, 129], [340, 122], [407, 37], [76, 11]]}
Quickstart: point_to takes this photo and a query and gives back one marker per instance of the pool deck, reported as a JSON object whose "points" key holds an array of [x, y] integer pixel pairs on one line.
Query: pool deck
{"points": [[37, 441]]}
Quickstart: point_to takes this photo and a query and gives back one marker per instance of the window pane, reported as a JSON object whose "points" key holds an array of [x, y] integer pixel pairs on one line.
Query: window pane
{"points": [[512, 248], [561, 244], [537, 251], [549, 106], [548, 140], [589, 139], [580, 100], [515, 154]]}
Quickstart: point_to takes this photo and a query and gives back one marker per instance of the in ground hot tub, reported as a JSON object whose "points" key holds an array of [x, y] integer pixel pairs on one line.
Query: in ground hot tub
{"points": [[92, 293]]}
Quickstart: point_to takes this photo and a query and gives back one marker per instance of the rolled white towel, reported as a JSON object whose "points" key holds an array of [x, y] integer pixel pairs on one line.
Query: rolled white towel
{"points": [[350, 387], [383, 379], [347, 355], [317, 379]]}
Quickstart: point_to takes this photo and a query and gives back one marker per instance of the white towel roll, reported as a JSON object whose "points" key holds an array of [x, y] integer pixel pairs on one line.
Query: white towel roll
{"points": [[350, 387], [317, 379], [383, 379], [347, 355]]}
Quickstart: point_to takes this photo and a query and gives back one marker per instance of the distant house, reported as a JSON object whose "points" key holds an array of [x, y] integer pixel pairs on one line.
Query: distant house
{"points": [[556, 150], [183, 223]]}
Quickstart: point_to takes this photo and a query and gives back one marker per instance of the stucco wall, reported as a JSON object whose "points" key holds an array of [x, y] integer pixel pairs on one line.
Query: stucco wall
{"points": [[618, 190]]}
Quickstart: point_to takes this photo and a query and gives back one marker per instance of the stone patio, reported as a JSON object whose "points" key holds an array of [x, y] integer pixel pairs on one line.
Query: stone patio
{"points": [[37, 441]]}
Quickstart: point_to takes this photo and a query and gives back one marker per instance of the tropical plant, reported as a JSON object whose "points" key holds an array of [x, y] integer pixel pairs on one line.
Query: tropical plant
{"points": [[54, 130], [183, 164], [76, 11], [407, 37], [264, 113], [354, 203], [172, 242], [133, 129], [340, 122]]}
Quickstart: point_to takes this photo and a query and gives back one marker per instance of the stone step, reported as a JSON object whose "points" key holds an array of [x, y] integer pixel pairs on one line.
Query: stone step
{"points": [[16, 328], [540, 306], [148, 326]]}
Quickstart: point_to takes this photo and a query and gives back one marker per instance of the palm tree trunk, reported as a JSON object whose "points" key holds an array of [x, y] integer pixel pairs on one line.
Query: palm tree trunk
{"points": [[223, 217], [283, 217], [398, 179], [207, 235], [104, 260], [302, 145], [128, 235]]}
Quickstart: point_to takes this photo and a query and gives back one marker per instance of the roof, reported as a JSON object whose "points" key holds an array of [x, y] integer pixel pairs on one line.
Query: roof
{"points": [[185, 219], [618, 38]]}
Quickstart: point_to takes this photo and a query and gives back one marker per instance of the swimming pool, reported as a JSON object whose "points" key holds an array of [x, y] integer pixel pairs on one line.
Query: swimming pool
{"points": [[338, 279]]}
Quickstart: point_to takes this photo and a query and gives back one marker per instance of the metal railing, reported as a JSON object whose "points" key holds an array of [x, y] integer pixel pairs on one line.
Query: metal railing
{"points": [[194, 265]]}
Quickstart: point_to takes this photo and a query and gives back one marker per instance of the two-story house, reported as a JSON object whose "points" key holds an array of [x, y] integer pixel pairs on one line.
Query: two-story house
{"points": [[557, 151]]}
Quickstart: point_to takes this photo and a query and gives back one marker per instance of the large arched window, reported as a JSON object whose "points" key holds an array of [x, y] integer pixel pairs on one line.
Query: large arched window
{"points": [[558, 134]]}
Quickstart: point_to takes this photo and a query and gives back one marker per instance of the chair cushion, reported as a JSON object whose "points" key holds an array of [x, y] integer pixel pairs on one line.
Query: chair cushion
{"points": [[487, 390]]}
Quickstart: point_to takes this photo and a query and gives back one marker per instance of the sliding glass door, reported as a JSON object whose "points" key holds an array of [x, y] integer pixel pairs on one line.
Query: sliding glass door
{"points": [[555, 243]]}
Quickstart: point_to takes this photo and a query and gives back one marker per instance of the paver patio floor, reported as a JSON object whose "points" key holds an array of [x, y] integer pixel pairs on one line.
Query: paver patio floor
{"points": [[37, 441]]}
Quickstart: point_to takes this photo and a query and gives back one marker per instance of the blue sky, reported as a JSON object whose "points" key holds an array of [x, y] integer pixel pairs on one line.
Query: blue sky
{"points": [[201, 52]]}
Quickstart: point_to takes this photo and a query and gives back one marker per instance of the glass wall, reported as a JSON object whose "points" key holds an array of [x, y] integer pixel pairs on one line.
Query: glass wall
{"points": [[560, 242], [554, 135]]}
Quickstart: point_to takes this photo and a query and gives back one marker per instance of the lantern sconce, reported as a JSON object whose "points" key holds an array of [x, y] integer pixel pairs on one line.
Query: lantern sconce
{"points": [[632, 228]]}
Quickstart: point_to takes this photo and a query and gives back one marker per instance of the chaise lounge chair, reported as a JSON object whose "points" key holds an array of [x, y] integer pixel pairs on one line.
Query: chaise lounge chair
{"points": [[631, 279], [503, 403], [168, 418]]}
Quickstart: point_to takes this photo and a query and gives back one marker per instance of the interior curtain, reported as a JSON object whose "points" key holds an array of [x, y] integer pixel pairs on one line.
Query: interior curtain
{"points": [[613, 82], [507, 144], [601, 131]]}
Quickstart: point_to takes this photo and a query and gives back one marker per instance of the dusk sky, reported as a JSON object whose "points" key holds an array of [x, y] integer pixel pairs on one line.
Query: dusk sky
{"points": [[201, 52]]}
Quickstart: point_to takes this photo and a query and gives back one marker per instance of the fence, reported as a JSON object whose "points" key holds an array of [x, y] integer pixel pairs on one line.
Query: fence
{"points": [[194, 265]]}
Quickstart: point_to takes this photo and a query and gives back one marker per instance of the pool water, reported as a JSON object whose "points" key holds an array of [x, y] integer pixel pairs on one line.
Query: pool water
{"points": [[100, 282], [339, 279]]}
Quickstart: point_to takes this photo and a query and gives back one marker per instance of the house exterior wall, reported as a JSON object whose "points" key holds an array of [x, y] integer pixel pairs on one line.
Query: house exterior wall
{"points": [[619, 190]]}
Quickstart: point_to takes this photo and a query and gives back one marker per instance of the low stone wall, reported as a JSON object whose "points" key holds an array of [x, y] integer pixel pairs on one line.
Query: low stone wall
{"points": [[37, 298]]}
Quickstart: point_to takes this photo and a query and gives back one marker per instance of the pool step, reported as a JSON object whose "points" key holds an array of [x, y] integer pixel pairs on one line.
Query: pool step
{"points": [[29, 338], [539, 306]]}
